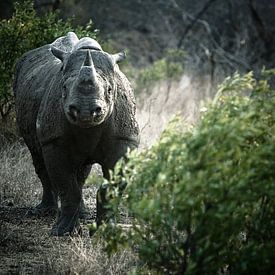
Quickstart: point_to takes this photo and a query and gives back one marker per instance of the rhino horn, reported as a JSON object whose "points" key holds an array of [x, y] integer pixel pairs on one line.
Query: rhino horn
{"points": [[88, 72], [88, 60]]}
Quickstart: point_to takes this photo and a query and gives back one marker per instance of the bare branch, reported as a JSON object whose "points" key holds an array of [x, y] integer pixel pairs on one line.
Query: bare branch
{"points": [[194, 21]]}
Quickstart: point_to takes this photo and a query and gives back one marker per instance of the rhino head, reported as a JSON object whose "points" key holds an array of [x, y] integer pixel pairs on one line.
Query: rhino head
{"points": [[88, 83]]}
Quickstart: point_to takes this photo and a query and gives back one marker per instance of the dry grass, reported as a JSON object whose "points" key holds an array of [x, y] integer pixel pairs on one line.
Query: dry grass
{"points": [[19, 184], [168, 98], [26, 248]]}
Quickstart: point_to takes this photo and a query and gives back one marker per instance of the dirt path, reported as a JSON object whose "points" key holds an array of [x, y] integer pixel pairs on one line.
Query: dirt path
{"points": [[27, 248], [25, 242]]}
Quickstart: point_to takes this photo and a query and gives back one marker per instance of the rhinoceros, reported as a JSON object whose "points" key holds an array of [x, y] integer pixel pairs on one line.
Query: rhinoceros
{"points": [[74, 108]]}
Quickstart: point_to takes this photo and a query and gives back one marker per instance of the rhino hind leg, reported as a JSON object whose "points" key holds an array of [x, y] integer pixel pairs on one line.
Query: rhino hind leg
{"points": [[118, 151], [82, 174], [101, 205], [102, 209], [48, 204], [103, 214]]}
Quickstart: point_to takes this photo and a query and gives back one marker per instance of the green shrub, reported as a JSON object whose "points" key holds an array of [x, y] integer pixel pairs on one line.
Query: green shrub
{"points": [[23, 32], [203, 199]]}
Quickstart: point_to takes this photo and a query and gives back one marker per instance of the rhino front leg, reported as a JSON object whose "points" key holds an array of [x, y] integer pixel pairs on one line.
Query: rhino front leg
{"points": [[48, 204], [63, 176]]}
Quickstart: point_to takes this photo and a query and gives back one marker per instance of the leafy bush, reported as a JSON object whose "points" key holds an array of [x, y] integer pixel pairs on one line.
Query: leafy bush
{"points": [[203, 199], [23, 32]]}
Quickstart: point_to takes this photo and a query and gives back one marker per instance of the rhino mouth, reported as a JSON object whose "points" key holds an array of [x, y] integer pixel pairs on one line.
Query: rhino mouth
{"points": [[90, 122], [93, 119]]}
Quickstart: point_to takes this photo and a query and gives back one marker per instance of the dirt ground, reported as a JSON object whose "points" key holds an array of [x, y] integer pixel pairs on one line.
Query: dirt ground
{"points": [[25, 243]]}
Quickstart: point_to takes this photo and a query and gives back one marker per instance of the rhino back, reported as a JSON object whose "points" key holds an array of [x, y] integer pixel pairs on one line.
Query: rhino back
{"points": [[35, 70]]}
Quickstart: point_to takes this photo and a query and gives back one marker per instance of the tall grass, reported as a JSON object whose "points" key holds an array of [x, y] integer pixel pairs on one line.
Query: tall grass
{"points": [[19, 184]]}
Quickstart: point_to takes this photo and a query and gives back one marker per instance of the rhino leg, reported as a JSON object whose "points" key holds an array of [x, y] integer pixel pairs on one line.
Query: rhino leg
{"points": [[119, 150], [101, 201], [82, 174], [63, 176], [48, 205], [103, 215]]}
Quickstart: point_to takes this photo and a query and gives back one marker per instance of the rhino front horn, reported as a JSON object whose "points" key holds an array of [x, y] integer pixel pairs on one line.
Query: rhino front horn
{"points": [[88, 71], [88, 60]]}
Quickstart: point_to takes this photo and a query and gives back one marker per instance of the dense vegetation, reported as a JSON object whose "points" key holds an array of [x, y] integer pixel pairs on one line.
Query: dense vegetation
{"points": [[22, 32], [203, 199]]}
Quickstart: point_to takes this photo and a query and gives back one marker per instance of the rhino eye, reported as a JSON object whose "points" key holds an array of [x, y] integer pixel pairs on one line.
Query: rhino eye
{"points": [[64, 94], [64, 91]]}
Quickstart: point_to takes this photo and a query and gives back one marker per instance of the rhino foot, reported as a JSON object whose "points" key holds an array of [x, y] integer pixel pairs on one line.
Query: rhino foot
{"points": [[66, 225], [42, 210]]}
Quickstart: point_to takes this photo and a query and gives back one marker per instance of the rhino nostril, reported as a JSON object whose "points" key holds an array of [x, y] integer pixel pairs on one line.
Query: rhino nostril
{"points": [[98, 110], [73, 111]]}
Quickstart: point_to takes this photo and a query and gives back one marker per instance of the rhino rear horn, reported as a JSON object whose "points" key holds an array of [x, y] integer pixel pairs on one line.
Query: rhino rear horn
{"points": [[118, 57], [58, 53]]}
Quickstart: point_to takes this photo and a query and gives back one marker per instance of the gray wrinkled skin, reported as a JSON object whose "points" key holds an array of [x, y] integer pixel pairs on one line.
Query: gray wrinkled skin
{"points": [[74, 108]]}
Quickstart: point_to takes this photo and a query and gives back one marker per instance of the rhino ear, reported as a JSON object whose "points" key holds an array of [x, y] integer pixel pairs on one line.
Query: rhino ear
{"points": [[58, 53], [118, 57]]}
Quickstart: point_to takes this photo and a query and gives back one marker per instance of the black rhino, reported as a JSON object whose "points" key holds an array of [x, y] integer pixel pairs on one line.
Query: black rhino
{"points": [[74, 108]]}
